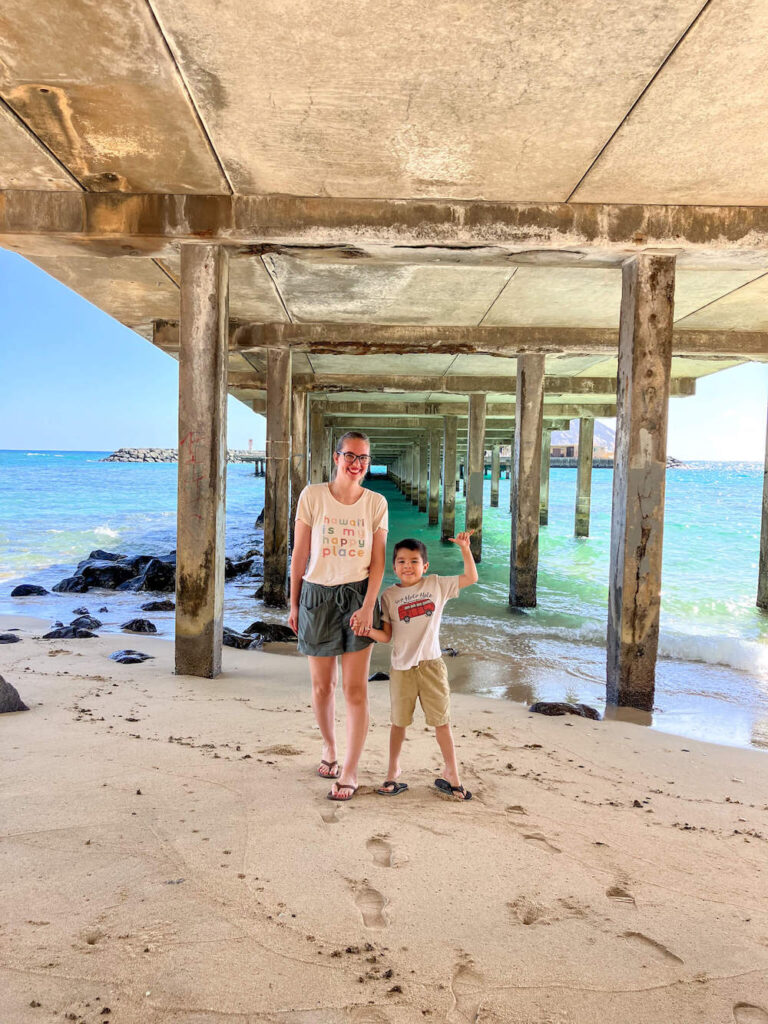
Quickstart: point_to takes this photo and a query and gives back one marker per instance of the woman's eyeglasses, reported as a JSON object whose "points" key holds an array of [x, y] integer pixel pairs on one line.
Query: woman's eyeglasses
{"points": [[350, 458]]}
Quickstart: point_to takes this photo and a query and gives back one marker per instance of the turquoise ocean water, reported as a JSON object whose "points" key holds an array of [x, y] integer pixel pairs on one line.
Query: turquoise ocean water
{"points": [[712, 680]]}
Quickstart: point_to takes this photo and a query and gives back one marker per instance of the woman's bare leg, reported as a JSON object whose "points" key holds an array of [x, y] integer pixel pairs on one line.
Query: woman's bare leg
{"points": [[324, 674], [354, 680]]}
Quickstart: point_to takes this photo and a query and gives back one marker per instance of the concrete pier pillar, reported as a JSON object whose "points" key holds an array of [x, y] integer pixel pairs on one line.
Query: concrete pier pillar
{"points": [[298, 451], [584, 476], [202, 469], [423, 473], [327, 461], [414, 474], [762, 571], [546, 447], [511, 472], [495, 474], [526, 481], [316, 442], [276, 487], [639, 476], [476, 467], [448, 528], [434, 477]]}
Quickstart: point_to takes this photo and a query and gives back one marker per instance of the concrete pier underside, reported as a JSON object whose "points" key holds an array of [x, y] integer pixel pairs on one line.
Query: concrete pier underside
{"points": [[370, 210]]}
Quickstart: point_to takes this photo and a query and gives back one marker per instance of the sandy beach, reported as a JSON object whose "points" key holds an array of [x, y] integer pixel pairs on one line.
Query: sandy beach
{"points": [[169, 854]]}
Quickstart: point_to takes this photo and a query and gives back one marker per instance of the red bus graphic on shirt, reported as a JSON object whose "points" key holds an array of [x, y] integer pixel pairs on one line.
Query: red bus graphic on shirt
{"points": [[413, 608]]}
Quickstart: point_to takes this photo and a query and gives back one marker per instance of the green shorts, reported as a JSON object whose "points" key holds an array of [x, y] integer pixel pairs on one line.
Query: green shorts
{"points": [[324, 614]]}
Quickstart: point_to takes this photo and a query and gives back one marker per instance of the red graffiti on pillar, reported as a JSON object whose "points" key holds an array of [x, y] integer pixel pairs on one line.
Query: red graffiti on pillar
{"points": [[191, 440]]}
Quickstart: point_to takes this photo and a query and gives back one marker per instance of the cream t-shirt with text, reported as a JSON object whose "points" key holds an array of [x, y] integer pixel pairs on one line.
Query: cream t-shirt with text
{"points": [[342, 535], [415, 614]]}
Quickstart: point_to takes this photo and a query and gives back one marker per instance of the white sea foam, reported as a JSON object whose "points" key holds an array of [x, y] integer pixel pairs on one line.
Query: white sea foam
{"points": [[106, 531], [731, 651]]}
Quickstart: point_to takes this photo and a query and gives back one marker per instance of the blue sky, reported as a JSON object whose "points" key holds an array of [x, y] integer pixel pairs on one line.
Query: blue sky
{"points": [[73, 378]]}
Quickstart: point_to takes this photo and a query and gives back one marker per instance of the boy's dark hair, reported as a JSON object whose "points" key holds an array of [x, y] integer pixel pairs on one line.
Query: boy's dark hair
{"points": [[411, 545]]}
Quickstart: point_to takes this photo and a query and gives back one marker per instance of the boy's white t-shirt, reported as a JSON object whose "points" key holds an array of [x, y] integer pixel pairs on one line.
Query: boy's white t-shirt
{"points": [[415, 614], [342, 535]]}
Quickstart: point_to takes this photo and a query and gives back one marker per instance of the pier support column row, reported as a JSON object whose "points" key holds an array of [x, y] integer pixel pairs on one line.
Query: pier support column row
{"points": [[298, 451], [584, 476], [434, 477], [495, 474], [639, 476], [450, 485], [203, 343], [476, 472], [526, 481], [276, 487]]}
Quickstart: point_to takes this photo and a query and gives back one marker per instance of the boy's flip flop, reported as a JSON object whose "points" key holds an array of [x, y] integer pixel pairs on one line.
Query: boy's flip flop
{"points": [[341, 799], [333, 770], [445, 787], [397, 787]]}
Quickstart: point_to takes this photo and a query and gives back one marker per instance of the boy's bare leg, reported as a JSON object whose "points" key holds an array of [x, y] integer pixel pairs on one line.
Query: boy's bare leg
{"points": [[324, 673], [396, 738], [444, 738]]}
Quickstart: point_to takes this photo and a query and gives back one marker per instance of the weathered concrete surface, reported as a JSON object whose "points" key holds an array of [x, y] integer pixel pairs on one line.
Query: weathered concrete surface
{"points": [[277, 484], [546, 444], [762, 572], [298, 451], [415, 472], [495, 474], [640, 460], [584, 476], [450, 485], [26, 163], [434, 477], [96, 84], [475, 471], [202, 460], [526, 482], [423, 472]]}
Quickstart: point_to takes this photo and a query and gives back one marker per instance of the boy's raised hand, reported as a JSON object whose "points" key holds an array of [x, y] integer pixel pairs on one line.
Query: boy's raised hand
{"points": [[462, 539]]}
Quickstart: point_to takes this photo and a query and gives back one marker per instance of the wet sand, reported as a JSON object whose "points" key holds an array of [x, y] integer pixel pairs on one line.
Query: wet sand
{"points": [[168, 853]]}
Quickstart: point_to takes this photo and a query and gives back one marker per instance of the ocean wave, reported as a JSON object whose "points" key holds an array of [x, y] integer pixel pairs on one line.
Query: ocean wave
{"points": [[730, 651], [106, 531]]}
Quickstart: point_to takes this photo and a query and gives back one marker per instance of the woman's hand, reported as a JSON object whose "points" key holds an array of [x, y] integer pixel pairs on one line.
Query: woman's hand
{"points": [[360, 622], [293, 619]]}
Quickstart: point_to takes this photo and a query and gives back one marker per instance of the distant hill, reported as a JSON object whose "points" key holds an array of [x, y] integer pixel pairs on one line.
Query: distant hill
{"points": [[605, 437]]}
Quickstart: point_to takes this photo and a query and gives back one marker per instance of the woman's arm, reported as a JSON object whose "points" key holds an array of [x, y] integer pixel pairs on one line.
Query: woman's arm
{"points": [[299, 558], [362, 620]]}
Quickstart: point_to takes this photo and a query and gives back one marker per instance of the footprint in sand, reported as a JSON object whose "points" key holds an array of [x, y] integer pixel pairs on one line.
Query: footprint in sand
{"points": [[366, 1015], [748, 1013], [539, 840], [525, 910], [371, 904], [381, 851], [331, 816], [646, 943], [466, 989], [620, 894]]}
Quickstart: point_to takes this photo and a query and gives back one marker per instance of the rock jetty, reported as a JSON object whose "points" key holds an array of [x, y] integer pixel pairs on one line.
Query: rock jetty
{"points": [[170, 455]]}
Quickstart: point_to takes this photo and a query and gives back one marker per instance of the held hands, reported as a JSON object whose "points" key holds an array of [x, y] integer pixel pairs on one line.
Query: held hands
{"points": [[360, 622], [462, 539]]}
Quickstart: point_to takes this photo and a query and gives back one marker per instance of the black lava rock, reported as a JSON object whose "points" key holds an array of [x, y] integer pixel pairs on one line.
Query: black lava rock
{"points": [[231, 638], [99, 555], [68, 633], [82, 610], [85, 622], [28, 590], [139, 626], [128, 657], [158, 606], [260, 518], [9, 638], [103, 609], [157, 576], [258, 594], [10, 699], [108, 575], [451, 652], [71, 585], [233, 569], [272, 632], [554, 707], [378, 677]]}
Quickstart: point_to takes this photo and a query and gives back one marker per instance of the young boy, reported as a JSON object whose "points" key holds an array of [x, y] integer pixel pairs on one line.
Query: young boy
{"points": [[410, 613]]}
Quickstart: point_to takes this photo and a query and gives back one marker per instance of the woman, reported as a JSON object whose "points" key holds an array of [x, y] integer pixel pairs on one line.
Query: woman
{"points": [[336, 571]]}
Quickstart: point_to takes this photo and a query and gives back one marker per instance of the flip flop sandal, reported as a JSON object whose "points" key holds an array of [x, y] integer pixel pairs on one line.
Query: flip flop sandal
{"points": [[397, 787], [445, 787], [342, 799], [330, 774]]}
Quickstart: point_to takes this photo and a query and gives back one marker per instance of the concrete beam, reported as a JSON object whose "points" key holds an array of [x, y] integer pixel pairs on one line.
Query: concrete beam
{"points": [[640, 460], [524, 554], [510, 341], [386, 414], [147, 224], [276, 487], [202, 460]]}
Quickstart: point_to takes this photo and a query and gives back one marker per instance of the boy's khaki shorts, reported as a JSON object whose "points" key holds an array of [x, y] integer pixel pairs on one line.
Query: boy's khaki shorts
{"points": [[429, 682]]}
